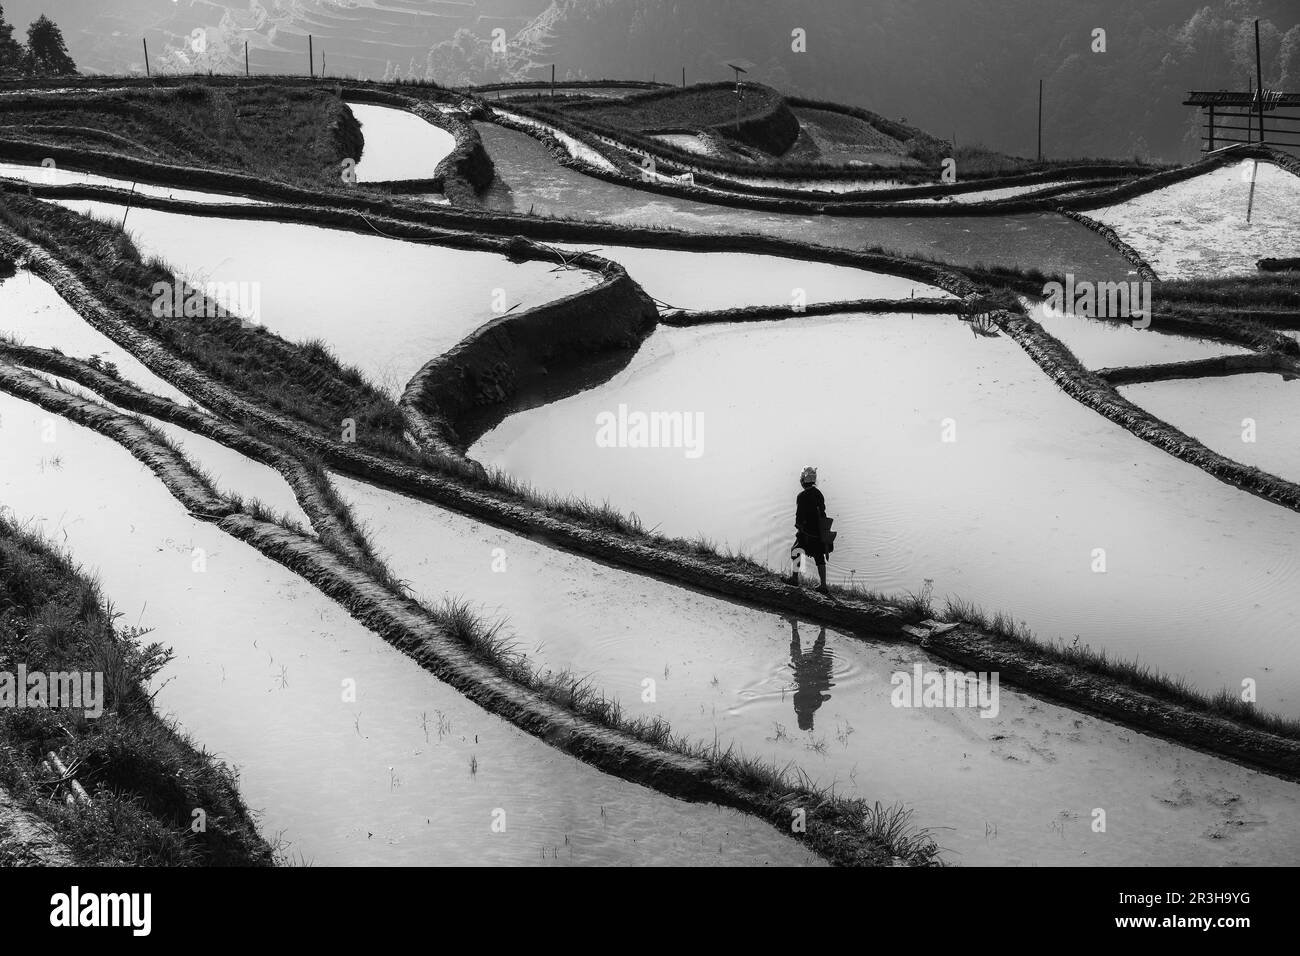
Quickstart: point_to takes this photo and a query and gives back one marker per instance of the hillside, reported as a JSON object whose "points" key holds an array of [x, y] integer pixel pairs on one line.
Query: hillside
{"points": [[921, 61]]}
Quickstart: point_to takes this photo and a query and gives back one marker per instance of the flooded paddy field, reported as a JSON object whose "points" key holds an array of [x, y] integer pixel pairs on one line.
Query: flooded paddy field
{"points": [[968, 469], [702, 281], [33, 314], [398, 144], [403, 771], [953, 464], [529, 180], [315, 283], [1111, 343], [55, 176], [1015, 787], [1252, 418], [1219, 223]]}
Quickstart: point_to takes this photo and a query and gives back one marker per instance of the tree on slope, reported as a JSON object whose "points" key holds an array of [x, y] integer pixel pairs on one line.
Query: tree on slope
{"points": [[11, 51], [47, 54]]}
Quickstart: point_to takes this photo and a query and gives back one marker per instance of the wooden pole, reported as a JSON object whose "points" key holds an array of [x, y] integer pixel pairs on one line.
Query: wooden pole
{"points": [[683, 77], [1250, 203], [737, 71], [246, 58], [311, 57], [1259, 84], [552, 81], [129, 199], [1250, 127], [145, 41], [1040, 120]]}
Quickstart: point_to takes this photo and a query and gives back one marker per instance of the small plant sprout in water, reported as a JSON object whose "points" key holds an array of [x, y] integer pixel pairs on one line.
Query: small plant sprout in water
{"points": [[473, 765]]}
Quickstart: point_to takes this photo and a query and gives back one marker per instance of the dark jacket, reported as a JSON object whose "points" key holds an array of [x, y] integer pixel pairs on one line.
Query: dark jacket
{"points": [[809, 509]]}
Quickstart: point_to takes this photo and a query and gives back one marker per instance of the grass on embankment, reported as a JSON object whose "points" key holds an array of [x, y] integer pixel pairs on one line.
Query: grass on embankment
{"points": [[889, 826], [701, 106], [304, 381], [307, 383], [1133, 673], [846, 831], [290, 134], [1267, 290], [145, 778]]}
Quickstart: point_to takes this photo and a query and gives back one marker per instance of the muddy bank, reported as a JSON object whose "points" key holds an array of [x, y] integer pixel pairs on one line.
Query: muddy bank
{"points": [[769, 126], [834, 827], [1159, 180], [1090, 389], [328, 208], [459, 489], [125, 782], [309, 486], [1119, 245], [763, 313], [515, 353], [565, 84], [1200, 368], [1093, 693], [463, 173], [1253, 328], [717, 191]]}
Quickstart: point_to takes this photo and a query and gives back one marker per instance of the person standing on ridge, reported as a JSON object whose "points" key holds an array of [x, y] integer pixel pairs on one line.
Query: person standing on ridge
{"points": [[809, 520]]}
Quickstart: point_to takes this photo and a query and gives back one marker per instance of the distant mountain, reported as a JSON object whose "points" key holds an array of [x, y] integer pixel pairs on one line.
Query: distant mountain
{"points": [[968, 68], [366, 38]]}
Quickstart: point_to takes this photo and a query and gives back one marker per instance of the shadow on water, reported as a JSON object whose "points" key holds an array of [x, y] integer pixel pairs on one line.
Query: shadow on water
{"points": [[813, 670], [552, 386]]}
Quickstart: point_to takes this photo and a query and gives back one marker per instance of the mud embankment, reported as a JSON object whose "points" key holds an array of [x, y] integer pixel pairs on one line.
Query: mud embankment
{"points": [[764, 313], [1200, 368], [310, 487], [1091, 389], [834, 828], [464, 173], [457, 487], [513, 354], [1114, 241], [1159, 180], [728, 193], [765, 122]]}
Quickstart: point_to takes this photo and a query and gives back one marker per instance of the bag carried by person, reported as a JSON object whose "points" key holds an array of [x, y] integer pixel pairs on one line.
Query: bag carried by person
{"points": [[827, 535]]}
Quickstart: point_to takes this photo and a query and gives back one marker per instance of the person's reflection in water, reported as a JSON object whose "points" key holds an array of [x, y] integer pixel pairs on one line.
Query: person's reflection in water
{"points": [[812, 675]]}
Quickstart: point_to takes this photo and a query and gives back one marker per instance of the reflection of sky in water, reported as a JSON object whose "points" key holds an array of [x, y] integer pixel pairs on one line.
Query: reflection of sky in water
{"points": [[1007, 515], [722, 671], [530, 180]]}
